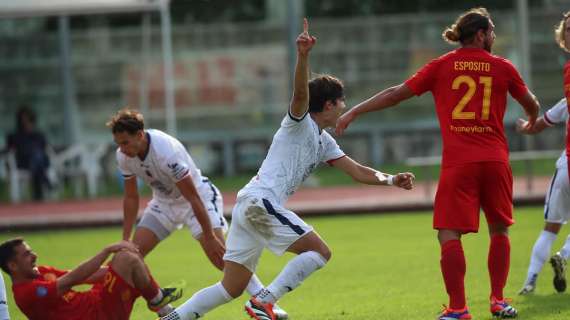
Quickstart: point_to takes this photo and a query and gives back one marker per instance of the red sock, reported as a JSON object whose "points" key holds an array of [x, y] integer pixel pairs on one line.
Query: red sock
{"points": [[150, 291], [498, 262], [453, 269]]}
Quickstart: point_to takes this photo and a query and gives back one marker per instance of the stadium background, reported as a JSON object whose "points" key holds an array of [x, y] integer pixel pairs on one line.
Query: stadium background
{"points": [[232, 68]]}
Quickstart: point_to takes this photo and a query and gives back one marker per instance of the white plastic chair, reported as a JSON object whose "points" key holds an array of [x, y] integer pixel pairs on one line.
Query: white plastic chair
{"points": [[79, 161]]}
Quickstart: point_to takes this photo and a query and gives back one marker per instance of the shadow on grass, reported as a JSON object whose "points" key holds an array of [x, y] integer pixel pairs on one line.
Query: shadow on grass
{"points": [[548, 306]]}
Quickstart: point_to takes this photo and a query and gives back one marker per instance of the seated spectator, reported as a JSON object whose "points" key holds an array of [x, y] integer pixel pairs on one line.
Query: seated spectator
{"points": [[46, 293], [29, 145]]}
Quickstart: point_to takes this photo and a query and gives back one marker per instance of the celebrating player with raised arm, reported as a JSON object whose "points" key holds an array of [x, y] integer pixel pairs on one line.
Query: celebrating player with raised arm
{"points": [[259, 218], [181, 195], [469, 86], [557, 204]]}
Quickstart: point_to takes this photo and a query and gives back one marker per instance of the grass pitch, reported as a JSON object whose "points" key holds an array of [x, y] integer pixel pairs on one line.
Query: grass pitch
{"points": [[383, 267]]}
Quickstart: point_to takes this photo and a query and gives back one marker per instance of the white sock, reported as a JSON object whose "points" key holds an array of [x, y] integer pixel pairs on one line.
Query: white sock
{"points": [[565, 251], [157, 298], [254, 286], [200, 303], [297, 270], [165, 310], [540, 253]]}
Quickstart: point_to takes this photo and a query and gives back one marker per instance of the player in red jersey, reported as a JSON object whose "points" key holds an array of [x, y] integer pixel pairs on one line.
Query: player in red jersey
{"points": [[45, 293], [470, 87]]}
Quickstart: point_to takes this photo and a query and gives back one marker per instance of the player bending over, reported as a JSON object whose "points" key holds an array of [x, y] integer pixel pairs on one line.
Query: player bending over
{"points": [[181, 195]]}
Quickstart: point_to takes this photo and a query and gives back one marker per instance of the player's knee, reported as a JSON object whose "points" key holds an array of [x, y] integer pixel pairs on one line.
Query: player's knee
{"points": [[326, 253], [123, 263], [233, 290], [236, 292], [317, 258], [320, 253], [127, 258], [146, 239], [323, 250], [445, 235], [499, 229], [552, 227]]}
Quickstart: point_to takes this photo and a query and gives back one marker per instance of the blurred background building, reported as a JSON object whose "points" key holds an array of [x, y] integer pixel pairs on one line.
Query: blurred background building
{"points": [[232, 63]]}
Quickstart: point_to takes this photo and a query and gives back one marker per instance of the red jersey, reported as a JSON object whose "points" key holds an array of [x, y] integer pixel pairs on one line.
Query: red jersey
{"points": [[38, 298], [470, 86], [567, 94], [110, 299]]}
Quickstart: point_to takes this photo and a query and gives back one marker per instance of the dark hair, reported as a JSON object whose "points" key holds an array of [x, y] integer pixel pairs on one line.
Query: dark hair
{"points": [[7, 252], [467, 25], [24, 112], [126, 120], [322, 89]]}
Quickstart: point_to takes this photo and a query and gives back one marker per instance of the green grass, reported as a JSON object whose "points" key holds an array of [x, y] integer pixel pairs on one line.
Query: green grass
{"points": [[383, 267]]}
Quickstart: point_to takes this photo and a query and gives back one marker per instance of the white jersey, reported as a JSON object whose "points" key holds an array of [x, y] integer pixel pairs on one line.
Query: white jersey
{"points": [[558, 114], [165, 163], [3, 303], [296, 150]]}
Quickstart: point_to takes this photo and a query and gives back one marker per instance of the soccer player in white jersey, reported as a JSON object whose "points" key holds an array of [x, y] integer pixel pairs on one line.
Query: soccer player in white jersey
{"points": [[556, 209], [181, 194], [3, 302], [259, 218]]}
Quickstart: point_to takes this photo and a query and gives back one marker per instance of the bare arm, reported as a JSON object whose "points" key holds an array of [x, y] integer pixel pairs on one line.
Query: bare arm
{"points": [[130, 206], [90, 267], [382, 100], [215, 249], [97, 276], [531, 107], [300, 100], [368, 175], [539, 126]]}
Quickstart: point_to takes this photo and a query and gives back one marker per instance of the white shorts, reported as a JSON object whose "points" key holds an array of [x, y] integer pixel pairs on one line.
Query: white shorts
{"points": [[557, 204], [162, 218], [256, 224]]}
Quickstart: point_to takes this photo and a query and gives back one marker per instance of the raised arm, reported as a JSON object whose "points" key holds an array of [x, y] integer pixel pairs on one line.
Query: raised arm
{"points": [[382, 100], [96, 276], [130, 206], [300, 100]]}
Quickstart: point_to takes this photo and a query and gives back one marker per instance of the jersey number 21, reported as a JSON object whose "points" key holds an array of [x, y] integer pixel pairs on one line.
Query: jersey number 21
{"points": [[458, 112]]}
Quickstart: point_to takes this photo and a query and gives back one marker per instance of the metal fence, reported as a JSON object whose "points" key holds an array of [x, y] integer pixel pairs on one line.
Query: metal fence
{"points": [[232, 80]]}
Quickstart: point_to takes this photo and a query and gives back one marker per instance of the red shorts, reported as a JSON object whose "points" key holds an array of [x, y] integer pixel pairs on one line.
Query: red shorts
{"points": [[116, 297], [465, 189]]}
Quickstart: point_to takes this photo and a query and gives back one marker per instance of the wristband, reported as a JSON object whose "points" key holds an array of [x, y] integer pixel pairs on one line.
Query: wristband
{"points": [[390, 180]]}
